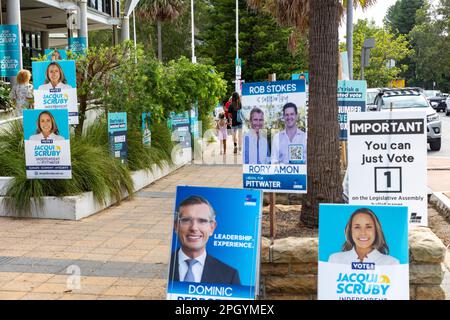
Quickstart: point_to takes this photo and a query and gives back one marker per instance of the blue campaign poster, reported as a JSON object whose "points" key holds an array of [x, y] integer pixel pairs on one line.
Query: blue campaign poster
{"points": [[274, 136], [41, 74], [180, 126], [300, 76], [78, 45], [213, 230], [193, 120], [146, 129], [55, 86], [9, 50], [55, 54], [117, 132], [351, 98], [47, 144], [363, 252]]}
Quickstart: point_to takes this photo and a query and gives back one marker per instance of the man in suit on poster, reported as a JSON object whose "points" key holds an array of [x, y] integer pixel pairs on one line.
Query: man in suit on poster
{"points": [[195, 222]]}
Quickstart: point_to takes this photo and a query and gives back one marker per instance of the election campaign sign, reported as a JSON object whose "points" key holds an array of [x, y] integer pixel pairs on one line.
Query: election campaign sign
{"points": [[363, 252], [351, 98], [145, 129], [47, 144], [387, 157], [179, 124], [209, 232], [55, 86], [117, 133], [274, 140], [9, 50], [193, 120], [78, 45], [55, 54]]}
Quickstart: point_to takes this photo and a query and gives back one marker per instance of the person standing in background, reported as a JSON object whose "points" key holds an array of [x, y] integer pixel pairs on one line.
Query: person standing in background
{"points": [[236, 124], [22, 93]]}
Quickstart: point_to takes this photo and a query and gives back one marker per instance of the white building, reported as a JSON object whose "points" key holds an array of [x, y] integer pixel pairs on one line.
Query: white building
{"points": [[49, 23]]}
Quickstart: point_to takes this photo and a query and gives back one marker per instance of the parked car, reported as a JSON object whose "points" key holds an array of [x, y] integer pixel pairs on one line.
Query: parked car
{"points": [[447, 102], [371, 94], [412, 99], [437, 100]]}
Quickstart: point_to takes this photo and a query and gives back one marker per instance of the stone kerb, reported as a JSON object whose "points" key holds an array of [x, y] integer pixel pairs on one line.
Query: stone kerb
{"points": [[289, 267]]}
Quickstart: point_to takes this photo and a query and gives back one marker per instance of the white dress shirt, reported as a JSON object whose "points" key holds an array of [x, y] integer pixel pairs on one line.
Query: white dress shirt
{"points": [[283, 148], [60, 85], [375, 256], [197, 268], [255, 149], [40, 136]]}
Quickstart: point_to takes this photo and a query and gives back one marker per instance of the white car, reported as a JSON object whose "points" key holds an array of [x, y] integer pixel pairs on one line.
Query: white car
{"points": [[447, 102]]}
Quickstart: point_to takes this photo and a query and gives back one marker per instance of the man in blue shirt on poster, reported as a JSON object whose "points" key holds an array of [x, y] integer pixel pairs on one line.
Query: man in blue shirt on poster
{"points": [[195, 223]]}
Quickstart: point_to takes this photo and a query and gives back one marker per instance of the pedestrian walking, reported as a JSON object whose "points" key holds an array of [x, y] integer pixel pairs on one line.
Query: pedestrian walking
{"points": [[222, 133], [234, 112]]}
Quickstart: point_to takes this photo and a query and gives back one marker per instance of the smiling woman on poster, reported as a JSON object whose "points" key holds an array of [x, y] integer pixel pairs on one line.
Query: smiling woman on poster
{"points": [[46, 128], [365, 241], [54, 78]]}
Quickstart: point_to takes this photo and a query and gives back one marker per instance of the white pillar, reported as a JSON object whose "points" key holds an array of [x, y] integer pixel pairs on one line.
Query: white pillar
{"points": [[125, 32], [83, 20], [13, 17], [45, 40]]}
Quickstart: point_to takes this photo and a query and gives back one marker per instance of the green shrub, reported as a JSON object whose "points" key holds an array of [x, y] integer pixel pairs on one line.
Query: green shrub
{"points": [[140, 157]]}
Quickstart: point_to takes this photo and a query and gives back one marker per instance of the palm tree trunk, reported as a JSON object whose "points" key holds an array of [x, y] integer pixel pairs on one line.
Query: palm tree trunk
{"points": [[158, 26], [324, 183]]}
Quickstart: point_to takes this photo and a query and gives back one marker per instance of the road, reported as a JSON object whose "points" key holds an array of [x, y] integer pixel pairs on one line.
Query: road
{"points": [[445, 148]]}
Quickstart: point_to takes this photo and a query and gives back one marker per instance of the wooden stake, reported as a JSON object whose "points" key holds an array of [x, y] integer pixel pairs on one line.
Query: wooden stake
{"points": [[273, 227], [343, 154]]}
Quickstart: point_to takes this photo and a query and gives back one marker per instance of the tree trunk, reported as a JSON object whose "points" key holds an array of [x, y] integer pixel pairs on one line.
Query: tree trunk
{"points": [[324, 183], [81, 115], [158, 26]]}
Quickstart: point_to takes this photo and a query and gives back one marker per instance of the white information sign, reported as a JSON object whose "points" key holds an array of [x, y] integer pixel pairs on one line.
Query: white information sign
{"points": [[387, 157]]}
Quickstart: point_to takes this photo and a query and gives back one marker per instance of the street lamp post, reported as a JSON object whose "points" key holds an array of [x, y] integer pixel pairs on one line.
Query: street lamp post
{"points": [[237, 61], [194, 58], [369, 43], [349, 40]]}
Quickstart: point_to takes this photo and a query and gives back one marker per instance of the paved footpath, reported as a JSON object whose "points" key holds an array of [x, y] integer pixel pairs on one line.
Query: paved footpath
{"points": [[121, 252]]}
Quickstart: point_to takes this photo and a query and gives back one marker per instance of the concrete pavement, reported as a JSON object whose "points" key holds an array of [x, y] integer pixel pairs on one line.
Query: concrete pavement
{"points": [[121, 252]]}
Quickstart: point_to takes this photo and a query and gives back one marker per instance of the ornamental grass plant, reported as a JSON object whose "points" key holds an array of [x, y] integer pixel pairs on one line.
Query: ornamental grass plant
{"points": [[92, 170]]}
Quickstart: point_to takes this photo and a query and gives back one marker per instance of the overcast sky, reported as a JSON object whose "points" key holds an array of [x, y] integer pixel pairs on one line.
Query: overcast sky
{"points": [[375, 12]]}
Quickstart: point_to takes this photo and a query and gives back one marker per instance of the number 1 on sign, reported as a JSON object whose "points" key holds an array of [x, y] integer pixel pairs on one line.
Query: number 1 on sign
{"points": [[388, 176]]}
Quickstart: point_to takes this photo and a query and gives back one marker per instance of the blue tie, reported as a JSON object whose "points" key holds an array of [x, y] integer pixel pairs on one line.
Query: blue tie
{"points": [[190, 275]]}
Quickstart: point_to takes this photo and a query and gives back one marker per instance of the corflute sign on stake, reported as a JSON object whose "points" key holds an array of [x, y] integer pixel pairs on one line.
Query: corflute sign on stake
{"points": [[47, 144], [117, 133], [215, 247], [55, 86], [351, 98], [387, 160], [363, 252], [275, 140]]}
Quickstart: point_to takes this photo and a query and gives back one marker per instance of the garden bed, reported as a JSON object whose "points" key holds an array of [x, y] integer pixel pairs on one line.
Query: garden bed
{"points": [[85, 204]]}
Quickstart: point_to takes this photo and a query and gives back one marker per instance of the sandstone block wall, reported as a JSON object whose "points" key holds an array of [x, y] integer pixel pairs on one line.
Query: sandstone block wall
{"points": [[289, 267]]}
